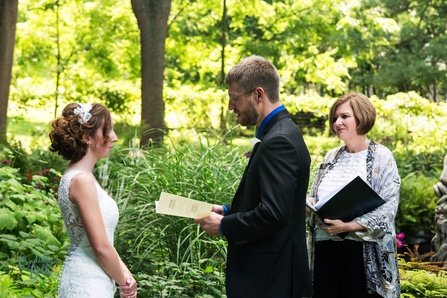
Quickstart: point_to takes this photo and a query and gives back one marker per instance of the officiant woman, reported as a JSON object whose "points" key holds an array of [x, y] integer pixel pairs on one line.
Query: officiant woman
{"points": [[364, 263]]}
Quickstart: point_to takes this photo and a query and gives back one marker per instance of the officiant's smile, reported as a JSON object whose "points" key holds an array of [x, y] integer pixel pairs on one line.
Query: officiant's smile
{"points": [[345, 126]]}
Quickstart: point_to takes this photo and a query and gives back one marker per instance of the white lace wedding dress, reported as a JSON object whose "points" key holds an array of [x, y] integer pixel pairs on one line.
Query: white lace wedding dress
{"points": [[82, 276]]}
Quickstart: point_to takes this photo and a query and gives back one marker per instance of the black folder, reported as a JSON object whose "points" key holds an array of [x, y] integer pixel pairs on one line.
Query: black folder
{"points": [[353, 200]]}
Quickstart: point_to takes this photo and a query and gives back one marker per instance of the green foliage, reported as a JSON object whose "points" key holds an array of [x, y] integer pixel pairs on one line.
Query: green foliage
{"points": [[326, 47], [422, 283], [414, 59], [194, 25], [419, 277], [34, 167], [429, 162], [417, 205], [207, 106], [407, 121], [34, 241], [182, 280], [8, 287], [21, 284], [75, 51], [15, 155], [29, 220]]}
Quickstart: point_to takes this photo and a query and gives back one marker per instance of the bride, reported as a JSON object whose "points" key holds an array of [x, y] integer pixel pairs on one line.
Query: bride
{"points": [[83, 134]]}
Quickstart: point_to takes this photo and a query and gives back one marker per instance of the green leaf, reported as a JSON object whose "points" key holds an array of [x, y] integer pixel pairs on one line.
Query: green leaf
{"points": [[46, 235], [30, 217], [27, 244], [53, 247], [40, 216], [8, 172], [54, 218], [9, 204], [7, 220], [15, 186], [23, 234], [8, 237], [11, 241], [19, 215]]}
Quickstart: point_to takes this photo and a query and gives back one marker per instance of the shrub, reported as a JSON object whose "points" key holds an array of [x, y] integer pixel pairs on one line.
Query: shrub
{"points": [[415, 216], [429, 163], [33, 239], [419, 277], [422, 283]]}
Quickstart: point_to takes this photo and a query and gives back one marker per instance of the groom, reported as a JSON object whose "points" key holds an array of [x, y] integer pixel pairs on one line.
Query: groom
{"points": [[265, 223]]}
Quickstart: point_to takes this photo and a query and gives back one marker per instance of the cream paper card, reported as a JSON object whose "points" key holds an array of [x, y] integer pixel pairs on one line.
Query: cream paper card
{"points": [[180, 206]]}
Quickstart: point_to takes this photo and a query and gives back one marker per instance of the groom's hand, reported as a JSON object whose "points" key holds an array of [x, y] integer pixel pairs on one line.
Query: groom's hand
{"points": [[211, 223]]}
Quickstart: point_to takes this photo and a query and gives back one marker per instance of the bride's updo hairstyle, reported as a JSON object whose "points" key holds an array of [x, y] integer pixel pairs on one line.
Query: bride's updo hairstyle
{"points": [[78, 120]]}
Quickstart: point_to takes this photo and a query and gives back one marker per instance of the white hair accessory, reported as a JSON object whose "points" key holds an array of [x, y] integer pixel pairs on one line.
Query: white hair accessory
{"points": [[83, 112]]}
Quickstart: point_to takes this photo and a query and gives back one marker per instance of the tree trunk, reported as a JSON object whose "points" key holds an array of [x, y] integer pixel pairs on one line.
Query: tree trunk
{"points": [[152, 17], [8, 20]]}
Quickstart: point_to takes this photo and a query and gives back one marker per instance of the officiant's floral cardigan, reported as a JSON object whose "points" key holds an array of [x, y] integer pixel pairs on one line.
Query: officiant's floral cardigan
{"points": [[379, 239]]}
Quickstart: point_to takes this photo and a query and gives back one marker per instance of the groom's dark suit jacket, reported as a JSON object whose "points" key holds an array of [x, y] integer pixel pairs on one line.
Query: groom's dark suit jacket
{"points": [[265, 226]]}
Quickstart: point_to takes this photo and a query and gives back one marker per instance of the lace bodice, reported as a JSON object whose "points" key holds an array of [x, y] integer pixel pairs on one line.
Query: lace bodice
{"points": [[82, 275], [72, 219]]}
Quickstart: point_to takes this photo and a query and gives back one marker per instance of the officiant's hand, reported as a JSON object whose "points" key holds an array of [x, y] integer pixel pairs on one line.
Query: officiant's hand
{"points": [[336, 226], [211, 223], [333, 227]]}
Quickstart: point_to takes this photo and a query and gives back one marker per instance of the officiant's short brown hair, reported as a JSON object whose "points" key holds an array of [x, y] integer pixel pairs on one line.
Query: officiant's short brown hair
{"points": [[364, 111]]}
